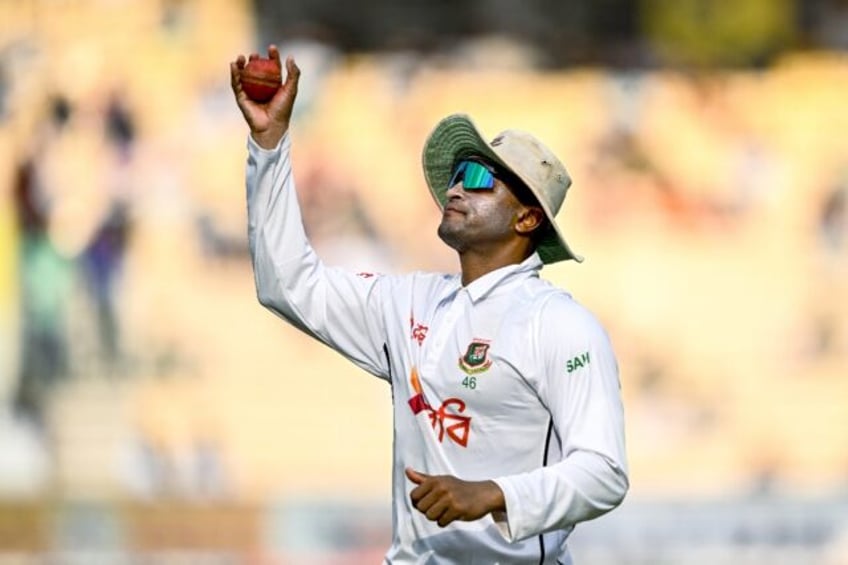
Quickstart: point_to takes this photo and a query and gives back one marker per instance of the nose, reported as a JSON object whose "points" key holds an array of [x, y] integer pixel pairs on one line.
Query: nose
{"points": [[455, 190]]}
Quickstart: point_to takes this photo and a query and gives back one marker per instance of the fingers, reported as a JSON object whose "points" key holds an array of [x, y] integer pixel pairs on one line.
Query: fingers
{"points": [[419, 492], [235, 73], [235, 79], [449, 515], [433, 497], [415, 476], [445, 498], [442, 512], [274, 53], [437, 502], [433, 508], [292, 74], [425, 501]]}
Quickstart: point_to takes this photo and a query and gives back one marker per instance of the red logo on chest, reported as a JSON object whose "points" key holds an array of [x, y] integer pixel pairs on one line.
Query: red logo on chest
{"points": [[447, 420], [419, 330]]}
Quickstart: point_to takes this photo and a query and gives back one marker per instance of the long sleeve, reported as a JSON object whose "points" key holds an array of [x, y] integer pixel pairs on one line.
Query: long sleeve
{"points": [[579, 384], [341, 309]]}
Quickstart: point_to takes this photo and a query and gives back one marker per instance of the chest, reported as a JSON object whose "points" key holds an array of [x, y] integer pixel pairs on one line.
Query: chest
{"points": [[473, 356]]}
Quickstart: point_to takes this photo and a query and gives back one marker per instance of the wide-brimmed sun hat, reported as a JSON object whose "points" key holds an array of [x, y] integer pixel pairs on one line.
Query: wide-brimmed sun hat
{"points": [[456, 137]]}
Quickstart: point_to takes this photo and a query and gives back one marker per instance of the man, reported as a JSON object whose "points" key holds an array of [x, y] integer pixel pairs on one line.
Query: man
{"points": [[508, 421]]}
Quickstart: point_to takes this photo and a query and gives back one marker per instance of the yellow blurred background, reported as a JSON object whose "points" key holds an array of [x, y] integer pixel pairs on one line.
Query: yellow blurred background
{"points": [[149, 406]]}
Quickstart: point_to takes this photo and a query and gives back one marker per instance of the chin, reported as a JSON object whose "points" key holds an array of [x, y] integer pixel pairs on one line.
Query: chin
{"points": [[451, 237]]}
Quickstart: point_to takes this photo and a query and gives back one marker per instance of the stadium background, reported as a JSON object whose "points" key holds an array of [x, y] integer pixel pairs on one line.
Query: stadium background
{"points": [[149, 408]]}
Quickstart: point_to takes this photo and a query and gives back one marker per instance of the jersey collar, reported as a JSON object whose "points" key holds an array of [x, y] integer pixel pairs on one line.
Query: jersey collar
{"points": [[481, 287]]}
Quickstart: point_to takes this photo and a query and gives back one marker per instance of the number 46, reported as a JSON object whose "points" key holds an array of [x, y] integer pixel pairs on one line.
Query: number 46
{"points": [[470, 382]]}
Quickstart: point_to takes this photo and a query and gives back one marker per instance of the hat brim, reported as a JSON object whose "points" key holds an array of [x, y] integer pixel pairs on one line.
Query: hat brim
{"points": [[456, 137]]}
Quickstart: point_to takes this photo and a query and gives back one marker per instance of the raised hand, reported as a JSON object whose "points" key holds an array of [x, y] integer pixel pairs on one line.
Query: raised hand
{"points": [[444, 498], [268, 121]]}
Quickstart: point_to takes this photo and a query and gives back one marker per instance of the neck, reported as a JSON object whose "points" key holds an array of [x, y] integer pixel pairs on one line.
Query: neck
{"points": [[476, 264]]}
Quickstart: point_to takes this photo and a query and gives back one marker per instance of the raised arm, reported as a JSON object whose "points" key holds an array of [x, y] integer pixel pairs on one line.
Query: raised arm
{"points": [[341, 309]]}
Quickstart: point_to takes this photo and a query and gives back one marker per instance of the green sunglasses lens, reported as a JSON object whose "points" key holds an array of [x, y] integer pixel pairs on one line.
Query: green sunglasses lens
{"points": [[474, 176], [477, 177]]}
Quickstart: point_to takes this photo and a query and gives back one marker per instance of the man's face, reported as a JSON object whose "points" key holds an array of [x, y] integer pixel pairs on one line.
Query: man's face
{"points": [[479, 218]]}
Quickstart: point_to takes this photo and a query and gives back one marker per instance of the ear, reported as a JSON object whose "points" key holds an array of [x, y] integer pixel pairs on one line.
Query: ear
{"points": [[529, 219]]}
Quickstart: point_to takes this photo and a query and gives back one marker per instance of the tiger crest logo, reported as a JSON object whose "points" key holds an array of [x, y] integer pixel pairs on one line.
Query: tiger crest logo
{"points": [[476, 359]]}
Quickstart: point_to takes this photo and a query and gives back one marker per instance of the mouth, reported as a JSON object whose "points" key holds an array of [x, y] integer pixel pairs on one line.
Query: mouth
{"points": [[450, 208]]}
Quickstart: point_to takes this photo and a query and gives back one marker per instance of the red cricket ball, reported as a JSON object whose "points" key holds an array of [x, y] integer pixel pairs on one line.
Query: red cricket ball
{"points": [[261, 78]]}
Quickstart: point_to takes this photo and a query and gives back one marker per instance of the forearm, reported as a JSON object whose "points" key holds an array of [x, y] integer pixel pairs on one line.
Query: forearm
{"points": [[284, 263], [583, 486], [336, 307]]}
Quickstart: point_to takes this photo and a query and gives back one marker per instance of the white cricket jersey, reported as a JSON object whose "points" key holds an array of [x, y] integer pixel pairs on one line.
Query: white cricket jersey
{"points": [[507, 378]]}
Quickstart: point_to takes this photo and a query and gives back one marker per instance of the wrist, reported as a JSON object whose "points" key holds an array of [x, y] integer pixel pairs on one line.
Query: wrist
{"points": [[495, 497], [268, 138]]}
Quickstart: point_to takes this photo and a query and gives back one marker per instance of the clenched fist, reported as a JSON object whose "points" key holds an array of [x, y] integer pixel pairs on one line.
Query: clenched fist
{"points": [[445, 498]]}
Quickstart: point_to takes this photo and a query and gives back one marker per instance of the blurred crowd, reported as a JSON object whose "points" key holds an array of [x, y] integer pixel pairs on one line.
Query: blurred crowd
{"points": [[137, 368], [712, 207]]}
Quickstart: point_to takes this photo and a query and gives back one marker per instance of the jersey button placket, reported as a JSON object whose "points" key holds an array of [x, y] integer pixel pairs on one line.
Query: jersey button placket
{"points": [[444, 331]]}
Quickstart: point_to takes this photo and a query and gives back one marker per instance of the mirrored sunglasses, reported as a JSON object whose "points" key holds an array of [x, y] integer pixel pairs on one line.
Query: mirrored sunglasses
{"points": [[474, 176]]}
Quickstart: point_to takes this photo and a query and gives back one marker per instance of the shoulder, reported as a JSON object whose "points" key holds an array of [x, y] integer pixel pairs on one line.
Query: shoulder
{"points": [[418, 284], [560, 316]]}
